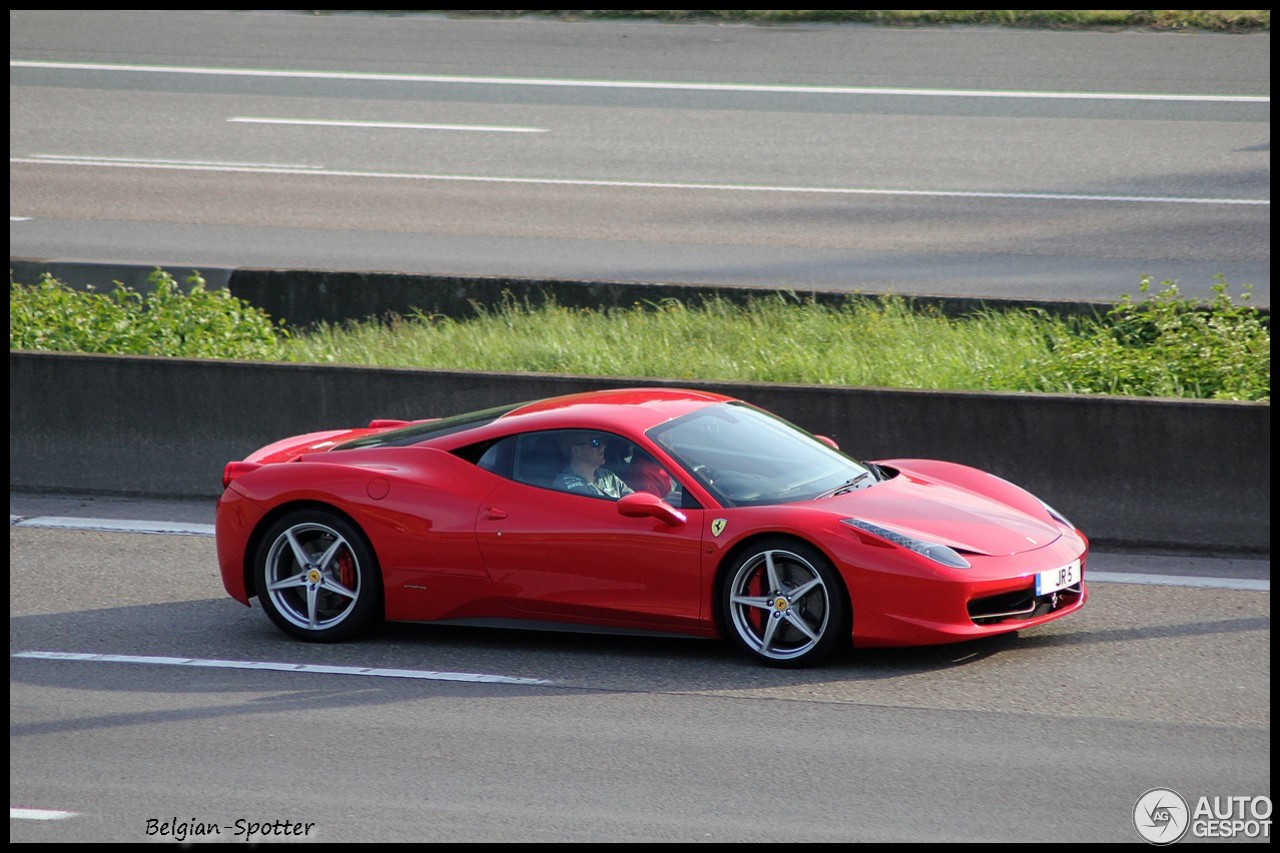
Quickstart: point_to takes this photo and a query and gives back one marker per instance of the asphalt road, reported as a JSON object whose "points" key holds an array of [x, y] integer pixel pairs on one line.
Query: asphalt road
{"points": [[142, 698], [966, 162]]}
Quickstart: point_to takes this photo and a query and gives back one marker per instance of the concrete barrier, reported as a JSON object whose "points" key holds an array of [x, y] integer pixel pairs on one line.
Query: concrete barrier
{"points": [[306, 297], [1131, 472]]}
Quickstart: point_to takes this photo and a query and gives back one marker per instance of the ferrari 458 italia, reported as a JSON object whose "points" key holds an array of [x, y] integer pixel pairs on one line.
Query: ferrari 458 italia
{"points": [[648, 509]]}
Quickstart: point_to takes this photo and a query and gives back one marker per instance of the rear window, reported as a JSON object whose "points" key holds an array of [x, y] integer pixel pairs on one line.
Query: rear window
{"points": [[435, 429]]}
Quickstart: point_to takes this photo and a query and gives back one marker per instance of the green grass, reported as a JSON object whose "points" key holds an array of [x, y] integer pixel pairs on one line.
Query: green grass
{"points": [[169, 320], [1224, 20], [1159, 345], [773, 339]]}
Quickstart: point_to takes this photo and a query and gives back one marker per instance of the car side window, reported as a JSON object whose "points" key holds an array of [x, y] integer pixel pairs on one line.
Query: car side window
{"points": [[588, 462], [537, 458], [497, 459]]}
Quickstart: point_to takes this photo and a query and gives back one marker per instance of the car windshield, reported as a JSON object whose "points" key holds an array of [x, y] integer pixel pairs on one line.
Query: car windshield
{"points": [[747, 457]]}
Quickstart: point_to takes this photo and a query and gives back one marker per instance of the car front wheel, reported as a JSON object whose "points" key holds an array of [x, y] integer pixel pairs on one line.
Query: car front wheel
{"points": [[782, 603], [317, 577]]}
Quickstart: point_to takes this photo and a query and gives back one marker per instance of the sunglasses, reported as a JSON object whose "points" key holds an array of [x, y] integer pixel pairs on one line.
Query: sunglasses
{"points": [[594, 442]]}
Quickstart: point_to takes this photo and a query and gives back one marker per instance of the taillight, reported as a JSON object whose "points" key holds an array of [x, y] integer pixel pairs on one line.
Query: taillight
{"points": [[237, 469]]}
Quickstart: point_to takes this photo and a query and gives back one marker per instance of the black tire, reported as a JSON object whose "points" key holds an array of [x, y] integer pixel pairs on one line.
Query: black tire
{"points": [[782, 603], [317, 577]]}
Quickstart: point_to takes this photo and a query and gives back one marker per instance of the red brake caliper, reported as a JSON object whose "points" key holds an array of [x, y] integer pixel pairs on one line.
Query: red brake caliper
{"points": [[347, 570], [757, 587]]}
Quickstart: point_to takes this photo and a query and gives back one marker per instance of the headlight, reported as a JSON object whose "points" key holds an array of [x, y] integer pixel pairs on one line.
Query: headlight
{"points": [[938, 553]]}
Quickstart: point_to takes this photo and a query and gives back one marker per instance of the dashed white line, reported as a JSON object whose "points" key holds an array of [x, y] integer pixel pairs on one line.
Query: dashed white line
{"points": [[92, 158], [635, 84], [395, 125], [112, 525], [272, 666], [760, 188], [38, 814]]}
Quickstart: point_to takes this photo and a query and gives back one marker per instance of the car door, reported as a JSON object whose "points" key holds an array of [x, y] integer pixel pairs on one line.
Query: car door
{"points": [[573, 557]]}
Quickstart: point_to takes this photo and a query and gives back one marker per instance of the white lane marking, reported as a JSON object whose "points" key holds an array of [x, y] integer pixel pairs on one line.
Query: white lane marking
{"points": [[38, 814], [1180, 580], [323, 669], [112, 525], [398, 125], [151, 162], [416, 176], [635, 84], [13, 218]]}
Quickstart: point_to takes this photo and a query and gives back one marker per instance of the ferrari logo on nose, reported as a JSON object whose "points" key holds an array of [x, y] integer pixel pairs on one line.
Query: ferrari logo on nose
{"points": [[717, 526]]}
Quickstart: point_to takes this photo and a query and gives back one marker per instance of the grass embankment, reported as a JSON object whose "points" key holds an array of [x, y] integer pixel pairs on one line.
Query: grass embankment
{"points": [[1160, 345]]}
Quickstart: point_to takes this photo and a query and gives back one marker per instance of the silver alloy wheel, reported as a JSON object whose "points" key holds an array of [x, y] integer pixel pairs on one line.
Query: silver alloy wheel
{"points": [[313, 576], [780, 605]]}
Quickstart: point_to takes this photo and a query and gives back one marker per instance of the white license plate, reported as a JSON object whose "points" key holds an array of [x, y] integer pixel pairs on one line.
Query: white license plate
{"points": [[1056, 579]]}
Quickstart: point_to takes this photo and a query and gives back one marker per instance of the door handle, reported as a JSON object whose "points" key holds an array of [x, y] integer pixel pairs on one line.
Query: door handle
{"points": [[494, 513]]}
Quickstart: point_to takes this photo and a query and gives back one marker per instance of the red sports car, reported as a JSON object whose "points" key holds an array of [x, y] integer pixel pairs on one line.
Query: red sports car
{"points": [[656, 510]]}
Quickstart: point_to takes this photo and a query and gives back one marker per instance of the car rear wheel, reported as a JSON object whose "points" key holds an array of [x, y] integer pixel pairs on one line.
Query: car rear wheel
{"points": [[317, 577], [782, 603]]}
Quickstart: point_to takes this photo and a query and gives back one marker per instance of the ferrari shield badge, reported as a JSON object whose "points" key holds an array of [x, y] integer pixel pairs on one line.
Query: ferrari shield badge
{"points": [[717, 526]]}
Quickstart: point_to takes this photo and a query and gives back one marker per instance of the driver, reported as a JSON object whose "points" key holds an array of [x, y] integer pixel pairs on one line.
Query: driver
{"points": [[585, 473]]}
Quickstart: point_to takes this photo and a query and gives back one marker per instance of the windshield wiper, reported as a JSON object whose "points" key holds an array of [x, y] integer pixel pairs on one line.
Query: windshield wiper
{"points": [[846, 486]]}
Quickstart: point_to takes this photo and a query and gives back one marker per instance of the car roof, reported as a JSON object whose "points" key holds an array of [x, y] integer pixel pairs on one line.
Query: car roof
{"points": [[637, 408]]}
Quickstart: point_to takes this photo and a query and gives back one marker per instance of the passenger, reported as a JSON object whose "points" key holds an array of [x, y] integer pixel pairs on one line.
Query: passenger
{"points": [[585, 474], [649, 476]]}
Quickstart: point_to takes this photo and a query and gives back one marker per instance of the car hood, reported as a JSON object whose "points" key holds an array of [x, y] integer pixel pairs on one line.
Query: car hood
{"points": [[948, 515]]}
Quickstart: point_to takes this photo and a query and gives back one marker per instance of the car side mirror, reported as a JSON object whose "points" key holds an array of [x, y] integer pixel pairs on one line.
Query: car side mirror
{"points": [[647, 505], [828, 441]]}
